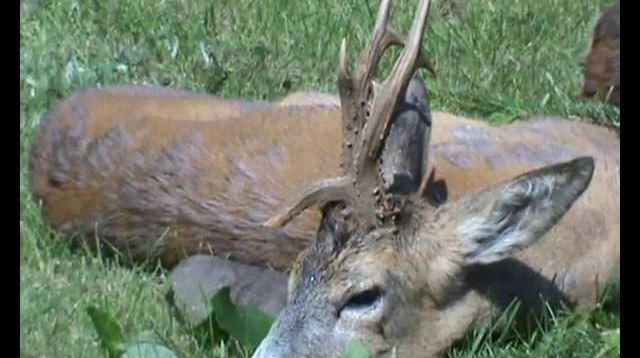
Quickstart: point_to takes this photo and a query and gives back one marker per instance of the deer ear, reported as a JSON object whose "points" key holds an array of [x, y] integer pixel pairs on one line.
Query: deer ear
{"points": [[504, 219]]}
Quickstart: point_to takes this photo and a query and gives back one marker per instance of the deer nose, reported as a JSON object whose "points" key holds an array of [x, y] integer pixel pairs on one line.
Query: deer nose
{"points": [[271, 347]]}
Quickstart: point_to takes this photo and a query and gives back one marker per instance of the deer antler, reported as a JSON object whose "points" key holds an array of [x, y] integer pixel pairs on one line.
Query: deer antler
{"points": [[367, 114], [321, 192]]}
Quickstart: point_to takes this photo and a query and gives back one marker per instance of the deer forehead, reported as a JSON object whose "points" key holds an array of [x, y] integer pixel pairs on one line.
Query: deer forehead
{"points": [[355, 261], [407, 254]]}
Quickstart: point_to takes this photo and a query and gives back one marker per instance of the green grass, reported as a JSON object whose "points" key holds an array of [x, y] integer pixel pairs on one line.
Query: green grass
{"points": [[496, 59]]}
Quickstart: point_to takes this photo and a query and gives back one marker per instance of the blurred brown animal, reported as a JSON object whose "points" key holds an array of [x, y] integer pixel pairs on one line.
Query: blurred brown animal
{"points": [[602, 64]]}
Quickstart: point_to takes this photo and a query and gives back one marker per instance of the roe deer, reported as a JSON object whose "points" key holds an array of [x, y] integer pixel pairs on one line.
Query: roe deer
{"points": [[602, 64], [409, 279], [134, 166]]}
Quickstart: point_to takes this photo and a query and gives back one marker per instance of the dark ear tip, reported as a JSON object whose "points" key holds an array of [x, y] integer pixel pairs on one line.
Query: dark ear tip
{"points": [[583, 167], [585, 164]]}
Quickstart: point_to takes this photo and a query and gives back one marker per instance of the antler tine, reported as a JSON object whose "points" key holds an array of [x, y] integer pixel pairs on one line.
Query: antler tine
{"points": [[344, 74], [389, 92], [336, 189], [383, 15], [353, 91], [345, 91], [381, 38], [423, 60]]}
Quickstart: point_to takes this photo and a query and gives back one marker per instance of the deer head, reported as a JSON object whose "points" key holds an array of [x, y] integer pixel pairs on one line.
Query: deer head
{"points": [[389, 269]]}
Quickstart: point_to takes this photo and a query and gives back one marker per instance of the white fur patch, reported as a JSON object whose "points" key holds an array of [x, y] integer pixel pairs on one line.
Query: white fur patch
{"points": [[489, 238]]}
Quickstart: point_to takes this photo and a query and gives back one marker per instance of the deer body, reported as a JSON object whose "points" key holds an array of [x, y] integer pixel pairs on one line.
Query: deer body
{"points": [[136, 165], [148, 173], [139, 163]]}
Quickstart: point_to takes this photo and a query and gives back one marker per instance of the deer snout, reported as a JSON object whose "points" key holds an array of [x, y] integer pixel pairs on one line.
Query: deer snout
{"points": [[264, 349], [272, 346]]}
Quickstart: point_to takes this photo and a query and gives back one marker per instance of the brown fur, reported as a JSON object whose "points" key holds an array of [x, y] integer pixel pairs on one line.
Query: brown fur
{"points": [[434, 296], [569, 266], [138, 171], [602, 65], [167, 174], [581, 253], [126, 163], [139, 164]]}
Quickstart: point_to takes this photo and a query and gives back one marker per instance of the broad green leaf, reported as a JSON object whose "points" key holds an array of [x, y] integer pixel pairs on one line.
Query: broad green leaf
{"points": [[355, 349], [209, 332], [246, 324], [108, 330]]}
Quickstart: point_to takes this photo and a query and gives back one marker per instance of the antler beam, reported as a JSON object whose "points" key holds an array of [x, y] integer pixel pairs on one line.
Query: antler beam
{"points": [[367, 113]]}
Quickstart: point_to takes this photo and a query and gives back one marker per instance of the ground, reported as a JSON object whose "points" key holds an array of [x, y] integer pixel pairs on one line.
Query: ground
{"points": [[498, 60]]}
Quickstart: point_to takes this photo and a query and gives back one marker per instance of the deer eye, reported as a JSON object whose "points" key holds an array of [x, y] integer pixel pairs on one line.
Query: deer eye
{"points": [[363, 300]]}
